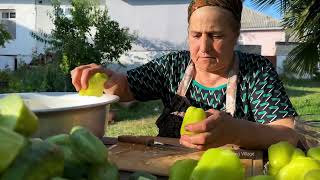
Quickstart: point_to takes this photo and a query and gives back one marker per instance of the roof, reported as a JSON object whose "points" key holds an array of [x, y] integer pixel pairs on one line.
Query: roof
{"points": [[251, 19]]}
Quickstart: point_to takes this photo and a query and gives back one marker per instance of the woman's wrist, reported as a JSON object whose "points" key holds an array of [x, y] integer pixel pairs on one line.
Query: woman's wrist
{"points": [[238, 128], [253, 135]]}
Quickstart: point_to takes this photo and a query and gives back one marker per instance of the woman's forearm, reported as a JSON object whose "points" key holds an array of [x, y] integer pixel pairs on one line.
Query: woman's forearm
{"points": [[252, 135], [121, 88]]}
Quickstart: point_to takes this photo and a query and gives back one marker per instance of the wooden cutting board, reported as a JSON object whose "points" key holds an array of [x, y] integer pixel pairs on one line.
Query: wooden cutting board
{"points": [[157, 160]]}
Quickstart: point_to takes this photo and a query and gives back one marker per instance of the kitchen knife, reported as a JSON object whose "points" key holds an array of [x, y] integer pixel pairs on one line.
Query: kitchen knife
{"points": [[173, 144], [144, 140], [158, 142]]}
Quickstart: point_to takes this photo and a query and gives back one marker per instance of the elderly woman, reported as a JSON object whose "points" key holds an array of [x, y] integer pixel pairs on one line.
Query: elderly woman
{"points": [[245, 101]]}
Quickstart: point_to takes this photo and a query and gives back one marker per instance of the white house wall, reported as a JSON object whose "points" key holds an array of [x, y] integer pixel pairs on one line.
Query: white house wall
{"points": [[43, 22], [161, 27], [280, 61], [24, 44], [266, 38], [7, 62]]}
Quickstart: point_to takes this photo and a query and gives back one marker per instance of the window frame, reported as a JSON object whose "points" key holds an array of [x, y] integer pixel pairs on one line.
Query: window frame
{"points": [[9, 18]]}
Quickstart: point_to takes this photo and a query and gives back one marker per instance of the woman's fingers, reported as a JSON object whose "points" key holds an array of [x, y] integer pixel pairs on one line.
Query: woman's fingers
{"points": [[200, 127], [80, 75], [112, 78], [87, 73], [187, 144], [194, 142], [76, 76], [198, 139]]}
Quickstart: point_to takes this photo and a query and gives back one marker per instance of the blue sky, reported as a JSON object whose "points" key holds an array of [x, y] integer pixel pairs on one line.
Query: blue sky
{"points": [[269, 11]]}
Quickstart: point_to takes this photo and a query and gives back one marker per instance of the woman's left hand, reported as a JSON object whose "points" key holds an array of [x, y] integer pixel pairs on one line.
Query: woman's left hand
{"points": [[218, 129]]}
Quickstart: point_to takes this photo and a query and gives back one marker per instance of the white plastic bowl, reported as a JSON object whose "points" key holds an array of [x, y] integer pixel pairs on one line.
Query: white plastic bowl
{"points": [[58, 112]]}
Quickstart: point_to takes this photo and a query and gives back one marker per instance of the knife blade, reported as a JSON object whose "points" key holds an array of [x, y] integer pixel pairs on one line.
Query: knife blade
{"points": [[173, 144], [144, 140], [157, 142]]}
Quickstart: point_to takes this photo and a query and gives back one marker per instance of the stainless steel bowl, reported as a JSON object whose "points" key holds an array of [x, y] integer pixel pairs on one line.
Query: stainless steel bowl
{"points": [[58, 112]]}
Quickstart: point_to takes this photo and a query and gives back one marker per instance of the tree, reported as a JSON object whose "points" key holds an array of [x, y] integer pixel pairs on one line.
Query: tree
{"points": [[88, 36], [4, 36], [301, 20]]}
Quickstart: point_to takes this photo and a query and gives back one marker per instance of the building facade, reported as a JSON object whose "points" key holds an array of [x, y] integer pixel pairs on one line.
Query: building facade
{"points": [[160, 27]]}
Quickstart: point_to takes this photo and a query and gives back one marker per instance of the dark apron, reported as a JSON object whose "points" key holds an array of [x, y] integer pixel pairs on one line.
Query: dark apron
{"points": [[170, 120]]}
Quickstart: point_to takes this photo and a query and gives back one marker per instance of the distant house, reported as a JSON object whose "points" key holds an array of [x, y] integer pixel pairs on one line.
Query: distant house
{"points": [[160, 25], [21, 17]]}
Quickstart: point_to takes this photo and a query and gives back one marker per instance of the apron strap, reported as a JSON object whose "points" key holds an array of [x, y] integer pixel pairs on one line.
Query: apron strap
{"points": [[231, 92], [186, 80]]}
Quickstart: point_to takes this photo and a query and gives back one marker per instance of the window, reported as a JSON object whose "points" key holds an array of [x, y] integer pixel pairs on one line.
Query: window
{"points": [[66, 10], [12, 15], [8, 20], [5, 15], [240, 40]]}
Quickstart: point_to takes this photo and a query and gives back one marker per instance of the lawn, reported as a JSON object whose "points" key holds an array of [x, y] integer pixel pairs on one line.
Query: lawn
{"points": [[140, 118]]}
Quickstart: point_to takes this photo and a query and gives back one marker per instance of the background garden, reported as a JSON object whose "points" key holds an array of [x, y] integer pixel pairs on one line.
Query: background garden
{"points": [[68, 41]]}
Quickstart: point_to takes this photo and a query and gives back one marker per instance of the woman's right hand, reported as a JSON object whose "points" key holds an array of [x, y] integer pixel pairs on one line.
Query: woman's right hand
{"points": [[115, 85]]}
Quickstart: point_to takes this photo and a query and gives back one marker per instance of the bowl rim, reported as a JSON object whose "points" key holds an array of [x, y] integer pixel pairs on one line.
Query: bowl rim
{"points": [[102, 100]]}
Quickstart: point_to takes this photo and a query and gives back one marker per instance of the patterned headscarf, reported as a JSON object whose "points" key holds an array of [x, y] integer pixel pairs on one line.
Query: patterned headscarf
{"points": [[234, 6]]}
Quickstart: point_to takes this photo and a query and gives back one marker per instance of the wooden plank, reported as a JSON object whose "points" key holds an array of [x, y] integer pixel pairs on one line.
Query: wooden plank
{"points": [[135, 157], [247, 163], [258, 164], [157, 161]]}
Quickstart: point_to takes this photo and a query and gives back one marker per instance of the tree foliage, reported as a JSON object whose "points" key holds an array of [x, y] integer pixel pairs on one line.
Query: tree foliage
{"points": [[302, 21], [87, 36], [4, 36]]}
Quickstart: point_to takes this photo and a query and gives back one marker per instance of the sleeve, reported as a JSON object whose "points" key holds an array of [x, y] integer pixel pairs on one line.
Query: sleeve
{"points": [[268, 99], [147, 81]]}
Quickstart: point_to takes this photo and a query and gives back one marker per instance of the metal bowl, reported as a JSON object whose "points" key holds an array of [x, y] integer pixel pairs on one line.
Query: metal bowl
{"points": [[58, 112], [308, 128]]}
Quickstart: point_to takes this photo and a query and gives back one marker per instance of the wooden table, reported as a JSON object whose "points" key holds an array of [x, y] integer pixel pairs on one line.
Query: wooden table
{"points": [[131, 157]]}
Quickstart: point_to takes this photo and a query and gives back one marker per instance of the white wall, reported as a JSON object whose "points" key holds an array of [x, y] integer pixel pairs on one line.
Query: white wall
{"points": [[24, 44], [267, 40], [7, 62], [43, 22], [160, 25], [280, 61]]}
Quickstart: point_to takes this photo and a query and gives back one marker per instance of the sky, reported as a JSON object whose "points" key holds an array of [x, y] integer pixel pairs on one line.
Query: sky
{"points": [[269, 11]]}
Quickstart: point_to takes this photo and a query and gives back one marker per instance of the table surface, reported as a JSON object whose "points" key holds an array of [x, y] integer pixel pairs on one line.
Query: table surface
{"points": [[125, 174]]}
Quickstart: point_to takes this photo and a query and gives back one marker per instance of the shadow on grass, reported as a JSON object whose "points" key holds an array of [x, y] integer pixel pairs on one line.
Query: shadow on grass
{"points": [[298, 93], [296, 88], [137, 110], [303, 83]]}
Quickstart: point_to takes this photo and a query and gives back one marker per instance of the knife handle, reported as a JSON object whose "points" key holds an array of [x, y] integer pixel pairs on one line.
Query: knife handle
{"points": [[145, 140]]}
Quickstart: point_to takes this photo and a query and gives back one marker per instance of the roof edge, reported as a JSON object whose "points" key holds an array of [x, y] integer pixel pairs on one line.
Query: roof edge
{"points": [[261, 29]]}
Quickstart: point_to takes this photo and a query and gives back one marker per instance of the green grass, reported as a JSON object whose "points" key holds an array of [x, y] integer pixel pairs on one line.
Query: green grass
{"points": [[305, 96], [143, 126], [140, 118]]}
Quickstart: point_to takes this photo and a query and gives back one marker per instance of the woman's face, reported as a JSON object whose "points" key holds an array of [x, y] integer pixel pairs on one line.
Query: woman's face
{"points": [[212, 37]]}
